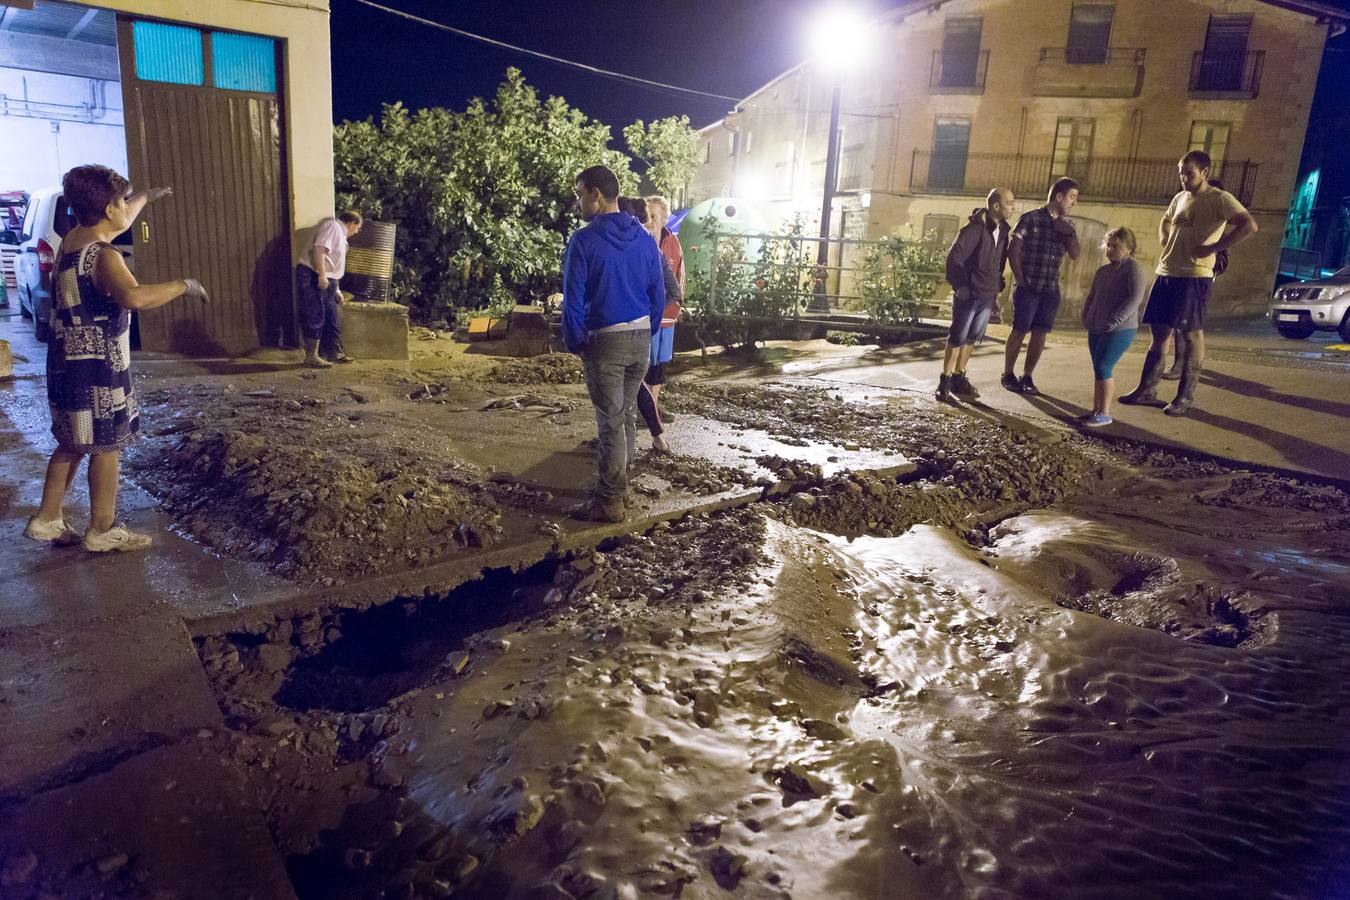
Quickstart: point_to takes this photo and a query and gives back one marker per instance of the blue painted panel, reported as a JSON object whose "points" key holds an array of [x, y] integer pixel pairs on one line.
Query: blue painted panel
{"points": [[169, 53], [244, 62]]}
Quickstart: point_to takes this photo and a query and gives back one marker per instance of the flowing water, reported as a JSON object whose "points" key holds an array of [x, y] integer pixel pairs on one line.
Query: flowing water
{"points": [[1141, 692]]}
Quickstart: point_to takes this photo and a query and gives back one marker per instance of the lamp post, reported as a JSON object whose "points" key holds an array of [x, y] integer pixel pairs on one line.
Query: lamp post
{"points": [[840, 43]]}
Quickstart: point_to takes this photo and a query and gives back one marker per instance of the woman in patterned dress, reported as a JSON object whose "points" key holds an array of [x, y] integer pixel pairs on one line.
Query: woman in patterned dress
{"points": [[89, 388]]}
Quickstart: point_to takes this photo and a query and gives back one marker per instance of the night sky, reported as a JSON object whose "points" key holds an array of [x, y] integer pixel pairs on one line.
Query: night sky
{"points": [[726, 47]]}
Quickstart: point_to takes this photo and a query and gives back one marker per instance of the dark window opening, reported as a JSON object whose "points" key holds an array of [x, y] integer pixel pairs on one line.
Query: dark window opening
{"points": [[1090, 34]]}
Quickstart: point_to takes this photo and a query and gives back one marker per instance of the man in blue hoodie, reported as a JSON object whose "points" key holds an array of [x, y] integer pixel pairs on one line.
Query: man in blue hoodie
{"points": [[613, 297]]}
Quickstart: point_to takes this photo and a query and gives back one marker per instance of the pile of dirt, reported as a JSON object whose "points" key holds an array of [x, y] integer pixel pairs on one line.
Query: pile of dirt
{"points": [[311, 491], [550, 368]]}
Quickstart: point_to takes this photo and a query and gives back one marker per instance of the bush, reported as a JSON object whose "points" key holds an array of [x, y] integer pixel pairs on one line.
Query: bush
{"points": [[898, 278]]}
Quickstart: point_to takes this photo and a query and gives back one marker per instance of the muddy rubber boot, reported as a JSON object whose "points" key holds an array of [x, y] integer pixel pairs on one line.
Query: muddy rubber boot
{"points": [[1190, 374], [962, 387], [944, 389], [1147, 392], [312, 358]]}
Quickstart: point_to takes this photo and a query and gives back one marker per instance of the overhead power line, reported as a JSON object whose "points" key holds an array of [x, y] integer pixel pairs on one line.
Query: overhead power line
{"points": [[594, 70]]}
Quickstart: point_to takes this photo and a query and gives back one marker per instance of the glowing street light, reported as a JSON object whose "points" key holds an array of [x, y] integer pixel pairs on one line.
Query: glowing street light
{"points": [[840, 41]]}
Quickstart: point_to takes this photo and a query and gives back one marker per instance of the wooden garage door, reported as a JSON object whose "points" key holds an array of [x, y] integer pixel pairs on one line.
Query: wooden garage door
{"points": [[203, 115]]}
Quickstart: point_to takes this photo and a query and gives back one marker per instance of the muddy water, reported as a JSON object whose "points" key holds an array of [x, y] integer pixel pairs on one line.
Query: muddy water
{"points": [[1141, 692]]}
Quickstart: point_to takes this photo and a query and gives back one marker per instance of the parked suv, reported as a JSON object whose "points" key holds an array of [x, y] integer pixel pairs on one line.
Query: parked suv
{"points": [[46, 220], [1297, 310]]}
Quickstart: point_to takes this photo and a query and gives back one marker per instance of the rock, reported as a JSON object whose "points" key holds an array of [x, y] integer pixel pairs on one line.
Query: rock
{"points": [[822, 730], [795, 780], [520, 821], [6, 360], [18, 869], [706, 829], [274, 657], [357, 858], [457, 662], [496, 708], [803, 501], [705, 708], [112, 863], [726, 867], [465, 868]]}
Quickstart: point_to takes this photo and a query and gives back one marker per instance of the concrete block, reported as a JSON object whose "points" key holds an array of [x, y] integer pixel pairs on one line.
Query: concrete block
{"points": [[6, 360], [374, 330], [527, 334]]}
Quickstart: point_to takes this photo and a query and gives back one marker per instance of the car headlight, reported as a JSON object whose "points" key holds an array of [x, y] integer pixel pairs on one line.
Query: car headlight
{"points": [[1331, 293]]}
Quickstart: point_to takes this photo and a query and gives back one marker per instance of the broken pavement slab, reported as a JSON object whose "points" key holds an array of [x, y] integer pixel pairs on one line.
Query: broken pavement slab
{"points": [[177, 819]]}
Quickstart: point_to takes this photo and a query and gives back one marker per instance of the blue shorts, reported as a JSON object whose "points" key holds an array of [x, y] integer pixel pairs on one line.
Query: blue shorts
{"points": [[1107, 347], [970, 317], [663, 345], [1034, 310]]}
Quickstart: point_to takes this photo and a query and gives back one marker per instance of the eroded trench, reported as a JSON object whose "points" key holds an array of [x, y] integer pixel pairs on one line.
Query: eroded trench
{"points": [[1105, 673]]}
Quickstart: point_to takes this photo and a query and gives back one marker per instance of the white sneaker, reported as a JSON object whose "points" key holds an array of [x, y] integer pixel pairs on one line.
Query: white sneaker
{"points": [[54, 532], [118, 537]]}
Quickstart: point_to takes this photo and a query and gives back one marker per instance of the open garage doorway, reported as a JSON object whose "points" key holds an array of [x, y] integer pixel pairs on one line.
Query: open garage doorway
{"points": [[60, 106], [168, 103]]}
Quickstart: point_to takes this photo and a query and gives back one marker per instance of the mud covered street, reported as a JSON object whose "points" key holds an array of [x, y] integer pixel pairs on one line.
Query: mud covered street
{"points": [[852, 644], [1029, 668]]}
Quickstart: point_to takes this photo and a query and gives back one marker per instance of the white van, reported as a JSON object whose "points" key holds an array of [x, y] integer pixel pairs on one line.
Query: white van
{"points": [[46, 220]]}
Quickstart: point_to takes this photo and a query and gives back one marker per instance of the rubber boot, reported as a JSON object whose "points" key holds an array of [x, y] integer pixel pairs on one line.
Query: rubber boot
{"points": [[944, 389], [312, 358], [1190, 374], [1148, 381], [1178, 358]]}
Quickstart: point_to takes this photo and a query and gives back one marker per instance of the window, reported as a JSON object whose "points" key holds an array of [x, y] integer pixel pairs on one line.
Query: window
{"points": [[707, 151], [243, 62], [1225, 53], [961, 52], [850, 169], [168, 53], [1073, 148], [940, 230], [951, 144], [749, 140], [731, 142], [786, 168], [1089, 33], [1211, 137]]}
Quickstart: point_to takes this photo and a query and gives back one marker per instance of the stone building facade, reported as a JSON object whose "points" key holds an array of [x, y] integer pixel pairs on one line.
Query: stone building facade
{"points": [[957, 97]]}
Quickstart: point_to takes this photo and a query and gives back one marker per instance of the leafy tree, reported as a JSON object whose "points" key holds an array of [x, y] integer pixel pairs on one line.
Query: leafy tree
{"points": [[671, 149], [483, 198]]}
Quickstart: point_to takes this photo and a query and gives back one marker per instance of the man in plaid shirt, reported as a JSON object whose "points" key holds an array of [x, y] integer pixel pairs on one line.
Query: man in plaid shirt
{"points": [[1039, 242]]}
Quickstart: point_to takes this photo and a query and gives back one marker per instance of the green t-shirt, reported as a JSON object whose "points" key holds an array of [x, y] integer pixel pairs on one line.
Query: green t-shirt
{"points": [[1193, 220]]}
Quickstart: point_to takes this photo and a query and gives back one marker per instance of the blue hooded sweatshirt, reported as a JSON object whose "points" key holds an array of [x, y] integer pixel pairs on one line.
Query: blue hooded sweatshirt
{"points": [[611, 275]]}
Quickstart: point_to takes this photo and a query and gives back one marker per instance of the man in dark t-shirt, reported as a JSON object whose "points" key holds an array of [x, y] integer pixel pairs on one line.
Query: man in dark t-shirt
{"points": [[1038, 244]]}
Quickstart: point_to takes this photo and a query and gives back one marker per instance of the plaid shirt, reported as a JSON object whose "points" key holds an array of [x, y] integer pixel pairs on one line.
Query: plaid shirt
{"points": [[1042, 249]]}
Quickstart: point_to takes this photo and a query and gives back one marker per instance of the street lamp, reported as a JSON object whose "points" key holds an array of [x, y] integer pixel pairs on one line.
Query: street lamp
{"points": [[839, 39]]}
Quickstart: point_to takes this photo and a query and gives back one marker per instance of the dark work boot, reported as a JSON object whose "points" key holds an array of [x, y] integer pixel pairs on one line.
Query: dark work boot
{"points": [[1190, 374], [1147, 392], [944, 390], [962, 387]]}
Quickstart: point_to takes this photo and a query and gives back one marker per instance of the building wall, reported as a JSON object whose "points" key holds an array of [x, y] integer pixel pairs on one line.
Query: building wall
{"points": [[302, 26], [892, 107], [65, 121]]}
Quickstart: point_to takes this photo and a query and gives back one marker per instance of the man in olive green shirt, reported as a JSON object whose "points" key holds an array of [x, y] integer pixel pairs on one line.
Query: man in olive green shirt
{"points": [[1201, 221]]}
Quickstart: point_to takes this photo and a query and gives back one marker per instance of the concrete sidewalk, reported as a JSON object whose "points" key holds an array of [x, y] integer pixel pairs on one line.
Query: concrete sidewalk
{"points": [[1252, 409]]}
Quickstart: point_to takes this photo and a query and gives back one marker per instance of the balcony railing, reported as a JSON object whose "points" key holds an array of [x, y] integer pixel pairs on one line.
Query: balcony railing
{"points": [[1109, 178], [958, 72], [1089, 72], [1094, 56], [1229, 76]]}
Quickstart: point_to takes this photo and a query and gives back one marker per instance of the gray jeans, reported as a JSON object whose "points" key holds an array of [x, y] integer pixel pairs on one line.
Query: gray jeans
{"points": [[614, 364]]}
